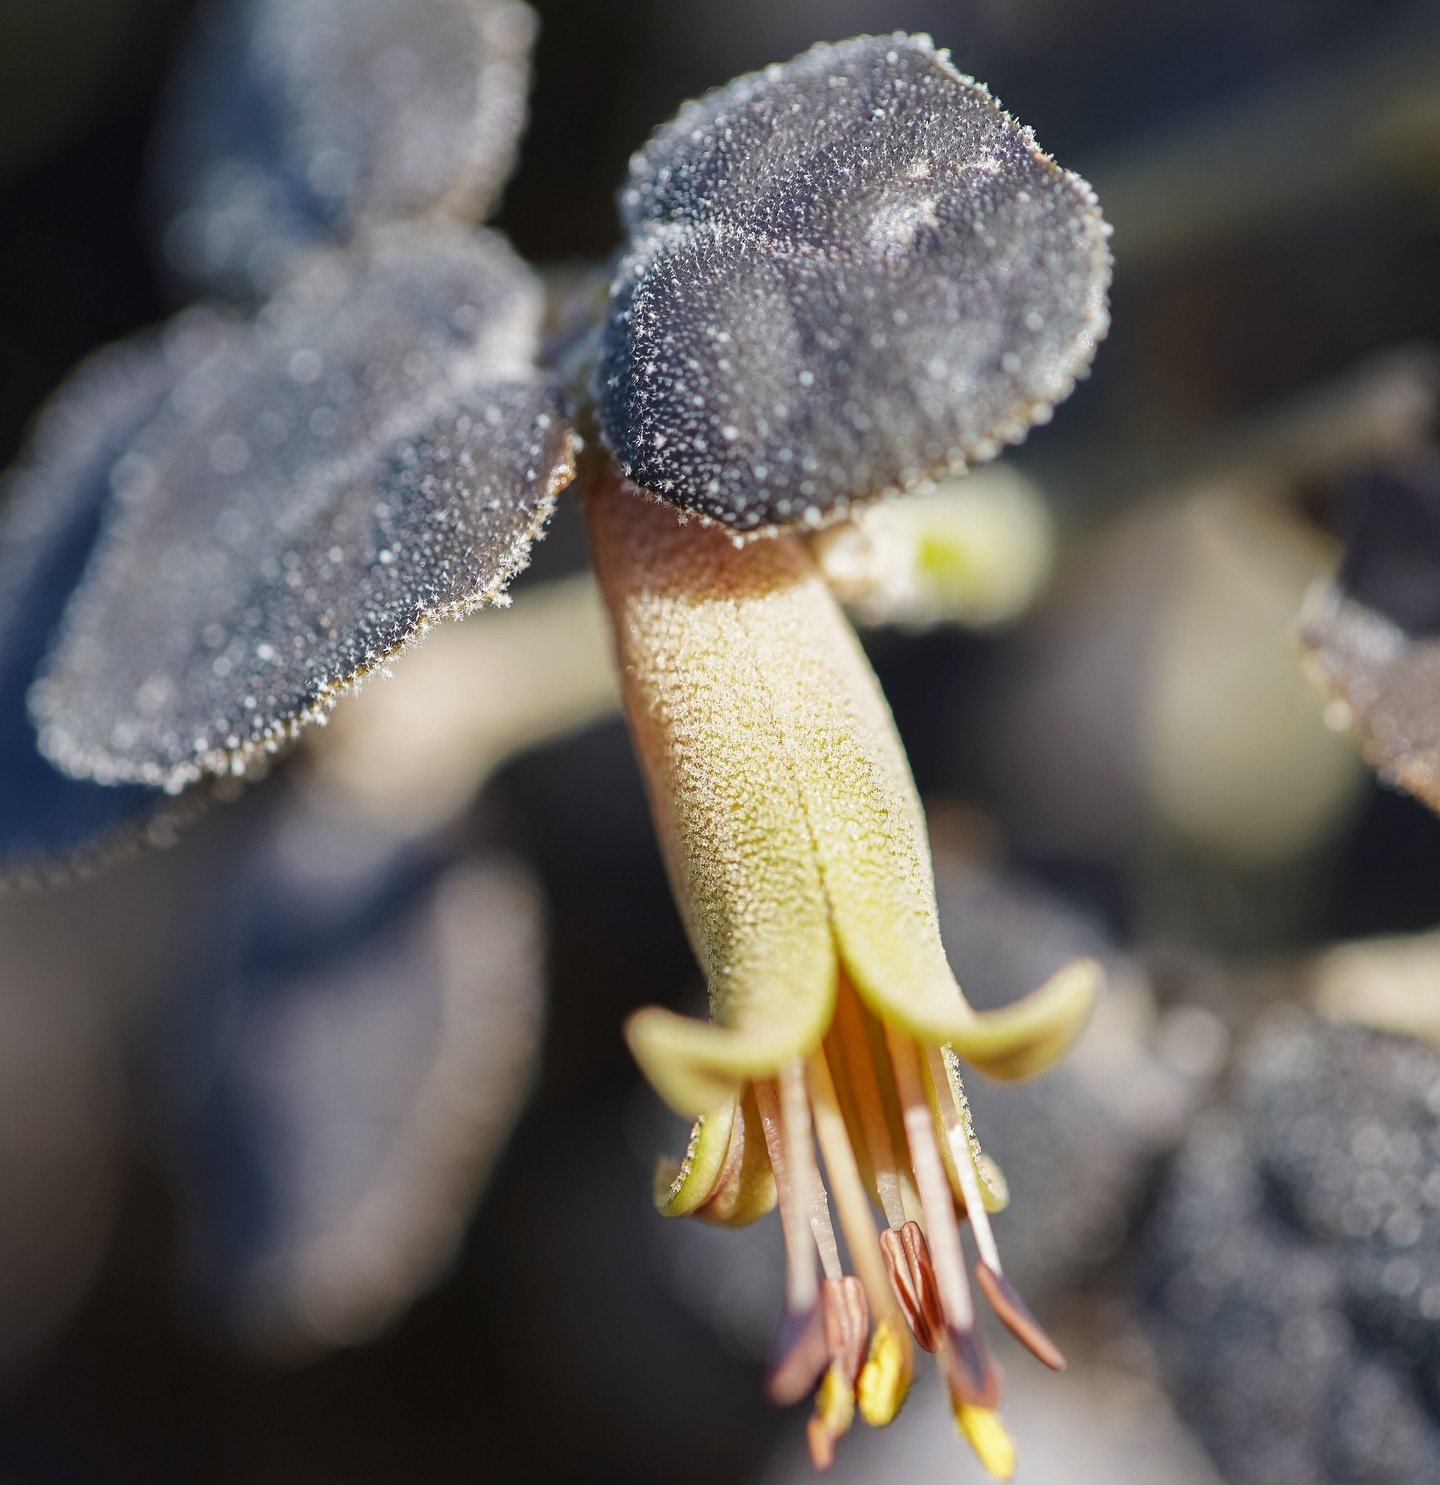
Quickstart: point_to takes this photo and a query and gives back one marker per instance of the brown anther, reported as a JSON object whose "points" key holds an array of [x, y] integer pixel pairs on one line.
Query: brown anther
{"points": [[1015, 1313], [912, 1276], [800, 1355], [847, 1330], [973, 1377], [847, 1324]]}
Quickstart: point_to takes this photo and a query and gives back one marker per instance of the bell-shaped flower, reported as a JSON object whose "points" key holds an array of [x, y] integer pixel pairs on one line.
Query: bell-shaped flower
{"points": [[797, 850]]}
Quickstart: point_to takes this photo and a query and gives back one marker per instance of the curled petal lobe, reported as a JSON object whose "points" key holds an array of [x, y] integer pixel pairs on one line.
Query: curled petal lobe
{"points": [[681, 1187], [696, 1066]]}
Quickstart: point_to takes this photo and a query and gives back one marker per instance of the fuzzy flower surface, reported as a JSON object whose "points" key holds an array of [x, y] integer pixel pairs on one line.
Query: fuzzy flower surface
{"points": [[796, 847]]}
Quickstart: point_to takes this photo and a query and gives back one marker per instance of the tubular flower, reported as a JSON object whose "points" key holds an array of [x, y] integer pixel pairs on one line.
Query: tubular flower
{"points": [[797, 851]]}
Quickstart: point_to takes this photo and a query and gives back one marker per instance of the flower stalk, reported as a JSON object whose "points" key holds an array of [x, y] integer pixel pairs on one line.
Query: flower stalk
{"points": [[796, 848]]}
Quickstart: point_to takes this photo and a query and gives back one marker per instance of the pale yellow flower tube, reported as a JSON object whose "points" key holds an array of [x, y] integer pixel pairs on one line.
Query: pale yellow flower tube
{"points": [[792, 832]]}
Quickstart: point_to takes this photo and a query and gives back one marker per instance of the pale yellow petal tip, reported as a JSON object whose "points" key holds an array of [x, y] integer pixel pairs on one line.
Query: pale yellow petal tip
{"points": [[725, 1176], [671, 1051], [884, 1380], [1025, 1038], [994, 1188], [696, 1066], [989, 1438], [682, 1186]]}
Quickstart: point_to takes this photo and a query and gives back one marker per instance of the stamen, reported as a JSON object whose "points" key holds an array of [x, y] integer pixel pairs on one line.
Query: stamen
{"points": [[799, 1354], [912, 1277], [885, 1379], [1015, 1313], [822, 1228], [801, 1288], [859, 1057], [851, 1201], [998, 1290], [971, 1375], [925, 1160], [800, 1150], [847, 1326], [799, 1357]]}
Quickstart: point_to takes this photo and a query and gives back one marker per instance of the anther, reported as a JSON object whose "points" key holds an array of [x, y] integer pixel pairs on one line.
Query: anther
{"points": [[912, 1276], [1015, 1313], [800, 1355], [851, 1200], [988, 1437], [847, 1329], [941, 1227], [847, 1323], [998, 1290], [973, 1377]]}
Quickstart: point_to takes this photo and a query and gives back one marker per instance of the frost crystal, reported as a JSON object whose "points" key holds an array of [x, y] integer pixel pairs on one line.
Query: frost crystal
{"points": [[845, 274], [299, 122], [374, 454]]}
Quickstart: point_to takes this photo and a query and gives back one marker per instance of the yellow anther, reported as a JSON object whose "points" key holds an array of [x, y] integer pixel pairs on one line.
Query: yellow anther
{"points": [[835, 1401], [989, 1438], [884, 1380], [834, 1413]]}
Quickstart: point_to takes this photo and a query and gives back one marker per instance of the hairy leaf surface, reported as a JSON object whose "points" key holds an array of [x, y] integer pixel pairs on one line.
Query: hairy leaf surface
{"points": [[845, 274], [374, 454]]}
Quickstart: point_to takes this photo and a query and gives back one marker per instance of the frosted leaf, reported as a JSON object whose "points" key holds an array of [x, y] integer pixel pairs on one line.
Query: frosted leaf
{"points": [[374, 454], [52, 502], [367, 1017], [844, 275], [1371, 638], [1286, 1273], [297, 122]]}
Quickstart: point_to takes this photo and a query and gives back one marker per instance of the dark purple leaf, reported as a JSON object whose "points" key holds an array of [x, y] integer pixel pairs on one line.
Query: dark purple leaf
{"points": [[845, 275], [375, 454]]}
